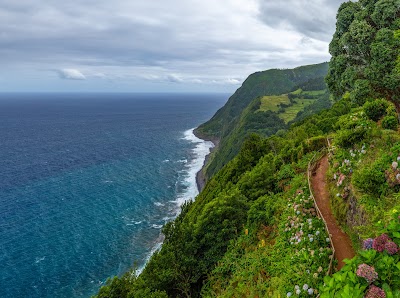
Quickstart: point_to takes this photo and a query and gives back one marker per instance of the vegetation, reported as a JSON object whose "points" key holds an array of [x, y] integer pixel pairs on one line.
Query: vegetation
{"points": [[253, 230], [235, 121], [365, 51]]}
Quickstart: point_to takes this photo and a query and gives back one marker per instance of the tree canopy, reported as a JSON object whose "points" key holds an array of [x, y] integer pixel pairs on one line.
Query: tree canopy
{"points": [[365, 51]]}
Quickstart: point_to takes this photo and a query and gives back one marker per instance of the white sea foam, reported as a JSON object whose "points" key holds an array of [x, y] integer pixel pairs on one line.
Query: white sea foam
{"points": [[158, 204], [38, 260], [153, 250], [200, 151]]}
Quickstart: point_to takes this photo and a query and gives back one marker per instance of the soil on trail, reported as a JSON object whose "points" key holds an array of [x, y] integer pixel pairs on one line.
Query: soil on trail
{"points": [[341, 241]]}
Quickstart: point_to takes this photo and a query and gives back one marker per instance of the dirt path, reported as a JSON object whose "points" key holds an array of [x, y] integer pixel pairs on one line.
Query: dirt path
{"points": [[341, 242]]}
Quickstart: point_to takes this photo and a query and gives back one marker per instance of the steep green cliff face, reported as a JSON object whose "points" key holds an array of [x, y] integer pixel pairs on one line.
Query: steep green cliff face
{"points": [[242, 115]]}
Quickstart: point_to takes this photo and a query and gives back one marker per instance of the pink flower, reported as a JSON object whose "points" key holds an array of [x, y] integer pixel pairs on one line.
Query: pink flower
{"points": [[367, 272], [375, 292], [391, 248], [379, 242]]}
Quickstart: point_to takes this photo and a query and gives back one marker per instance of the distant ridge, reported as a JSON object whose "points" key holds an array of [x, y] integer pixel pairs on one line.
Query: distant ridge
{"points": [[241, 104]]}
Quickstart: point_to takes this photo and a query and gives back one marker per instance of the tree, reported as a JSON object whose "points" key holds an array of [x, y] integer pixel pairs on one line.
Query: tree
{"points": [[365, 51]]}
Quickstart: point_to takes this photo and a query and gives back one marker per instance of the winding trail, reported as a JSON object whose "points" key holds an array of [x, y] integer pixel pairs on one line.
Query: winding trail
{"points": [[341, 241]]}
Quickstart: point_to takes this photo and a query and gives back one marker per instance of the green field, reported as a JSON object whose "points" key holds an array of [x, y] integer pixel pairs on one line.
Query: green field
{"points": [[271, 103], [292, 111]]}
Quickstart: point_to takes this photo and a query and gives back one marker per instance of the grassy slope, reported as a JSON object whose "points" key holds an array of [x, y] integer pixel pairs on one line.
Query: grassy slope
{"points": [[224, 124]]}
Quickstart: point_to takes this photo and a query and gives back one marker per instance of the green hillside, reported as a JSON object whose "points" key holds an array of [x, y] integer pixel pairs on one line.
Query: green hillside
{"points": [[255, 230], [236, 120]]}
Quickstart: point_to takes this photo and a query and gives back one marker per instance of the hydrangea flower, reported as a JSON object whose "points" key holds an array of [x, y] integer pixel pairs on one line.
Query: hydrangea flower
{"points": [[375, 292], [379, 242], [367, 272], [367, 244], [391, 248]]}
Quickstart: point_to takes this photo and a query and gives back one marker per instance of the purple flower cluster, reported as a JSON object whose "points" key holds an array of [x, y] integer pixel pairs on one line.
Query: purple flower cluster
{"points": [[379, 242], [391, 248], [375, 292], [367, 272], [368, 243]]}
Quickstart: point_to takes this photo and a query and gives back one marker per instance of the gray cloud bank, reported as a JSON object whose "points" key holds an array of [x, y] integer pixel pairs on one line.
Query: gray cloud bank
{"points": [[170, 41]]}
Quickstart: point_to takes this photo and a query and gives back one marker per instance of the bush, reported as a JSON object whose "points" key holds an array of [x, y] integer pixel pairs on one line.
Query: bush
{"points": [[315, 143], [391, 110], [390, 122], [371, 180], [347, 138], [376, 109]]}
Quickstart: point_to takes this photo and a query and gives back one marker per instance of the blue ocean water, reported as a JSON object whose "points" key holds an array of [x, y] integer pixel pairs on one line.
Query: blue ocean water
{"points": [[88, 180]]}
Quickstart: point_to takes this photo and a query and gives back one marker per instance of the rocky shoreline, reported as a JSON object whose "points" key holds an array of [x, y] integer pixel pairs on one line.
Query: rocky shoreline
{"points": [[200, 177]]}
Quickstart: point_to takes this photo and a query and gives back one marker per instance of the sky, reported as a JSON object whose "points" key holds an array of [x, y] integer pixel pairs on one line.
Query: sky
{"points": [[156, 45]]}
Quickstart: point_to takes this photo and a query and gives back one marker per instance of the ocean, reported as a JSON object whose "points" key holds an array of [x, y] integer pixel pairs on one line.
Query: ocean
{"points": [[88, 180]]}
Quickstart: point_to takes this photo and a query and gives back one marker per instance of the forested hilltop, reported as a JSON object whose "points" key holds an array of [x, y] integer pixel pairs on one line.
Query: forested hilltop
{"points": [[255, 230]]}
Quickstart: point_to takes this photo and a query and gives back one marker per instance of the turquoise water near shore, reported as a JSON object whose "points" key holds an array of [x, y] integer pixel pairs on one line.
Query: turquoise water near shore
{"points": [[88, 180]]}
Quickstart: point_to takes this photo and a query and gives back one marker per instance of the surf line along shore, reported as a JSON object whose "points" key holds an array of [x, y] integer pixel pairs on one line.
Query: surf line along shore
{"points": [[200, 177]]}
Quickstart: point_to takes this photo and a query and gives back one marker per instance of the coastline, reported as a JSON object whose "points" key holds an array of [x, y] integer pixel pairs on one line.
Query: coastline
{"points": [[190, 135], [200, 177]]}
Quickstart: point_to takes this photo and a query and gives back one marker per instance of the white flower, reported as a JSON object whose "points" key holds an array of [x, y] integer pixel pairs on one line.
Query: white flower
{"points": [[311, 239], [310, 291], [296, 287], [317, 233], [298, 291], [327, 240], [305, 287], [289, 294], [395, 165]]}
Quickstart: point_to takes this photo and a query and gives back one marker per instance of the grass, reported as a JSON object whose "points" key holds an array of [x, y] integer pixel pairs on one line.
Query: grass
{"points": [[271, 103], [313, 93], [292, 111]]}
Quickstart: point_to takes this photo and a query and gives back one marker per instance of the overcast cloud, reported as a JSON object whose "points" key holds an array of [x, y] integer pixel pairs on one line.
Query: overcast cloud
{"points": [[156, 45]]}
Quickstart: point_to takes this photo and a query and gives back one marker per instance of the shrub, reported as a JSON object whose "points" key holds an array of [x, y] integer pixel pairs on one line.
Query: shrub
{"points": [[376, 109], [390, 122], [371, 180], [391, 110], [348, 137]]}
